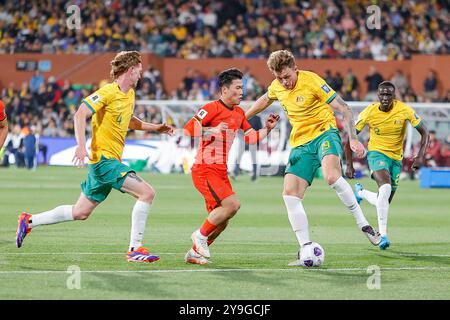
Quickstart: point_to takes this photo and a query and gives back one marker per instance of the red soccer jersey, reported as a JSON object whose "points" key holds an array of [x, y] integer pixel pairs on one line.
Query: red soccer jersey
{"points": [[2, 111], [213, 150]]}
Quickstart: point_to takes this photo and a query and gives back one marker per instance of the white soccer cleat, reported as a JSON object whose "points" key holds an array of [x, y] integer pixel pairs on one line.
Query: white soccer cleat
{"points": [[200, 243], [373, 235], [193, 257]]}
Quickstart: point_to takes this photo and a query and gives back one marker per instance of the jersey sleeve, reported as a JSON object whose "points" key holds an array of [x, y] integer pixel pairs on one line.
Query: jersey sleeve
{"points": [[413, 117], [205, 114], [271, 94], [98, 100], [362, 119], [321, 89]]}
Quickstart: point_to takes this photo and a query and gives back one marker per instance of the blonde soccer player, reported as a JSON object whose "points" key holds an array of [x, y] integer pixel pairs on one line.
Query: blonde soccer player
{"points": [[111, 108], [309, 103], [387, 121]]}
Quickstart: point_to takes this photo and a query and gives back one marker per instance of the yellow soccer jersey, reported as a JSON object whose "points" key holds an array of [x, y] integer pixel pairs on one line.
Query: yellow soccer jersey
{"points": [[112, 110], [387, 129], [306, 106]]}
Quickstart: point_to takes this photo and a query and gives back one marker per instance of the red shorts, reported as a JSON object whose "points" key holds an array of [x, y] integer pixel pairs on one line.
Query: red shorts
{"points": [[213, 184]]}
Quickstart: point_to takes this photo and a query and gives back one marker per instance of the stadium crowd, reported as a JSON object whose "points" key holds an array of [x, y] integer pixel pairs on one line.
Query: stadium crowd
{"points": [[228, 28]]}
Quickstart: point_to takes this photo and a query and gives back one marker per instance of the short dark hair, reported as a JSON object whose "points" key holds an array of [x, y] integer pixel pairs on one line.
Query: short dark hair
{"points": [[226, 77], [386, 84]]}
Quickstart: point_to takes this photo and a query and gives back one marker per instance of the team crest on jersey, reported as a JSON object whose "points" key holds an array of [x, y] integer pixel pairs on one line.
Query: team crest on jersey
{"points": [[398, 121], [326, 88], [202, 113], [300, 99]]}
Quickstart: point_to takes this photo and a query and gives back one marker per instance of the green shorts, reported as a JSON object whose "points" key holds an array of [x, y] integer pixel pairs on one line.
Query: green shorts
{"points": [[304, 160], [102, 177], [379, 161]]}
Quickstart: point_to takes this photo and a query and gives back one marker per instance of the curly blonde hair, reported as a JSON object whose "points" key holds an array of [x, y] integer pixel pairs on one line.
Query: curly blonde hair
{"points": [[123, 61], [278, 60]]}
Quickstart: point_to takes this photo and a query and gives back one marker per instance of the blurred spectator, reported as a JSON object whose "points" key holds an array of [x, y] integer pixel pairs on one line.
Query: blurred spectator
{"points": [[228, 28], [29, 142], [36, 81], [430, 86], [433, 155], [400, 82], [349, 85], [446, 152], [373, 79]]}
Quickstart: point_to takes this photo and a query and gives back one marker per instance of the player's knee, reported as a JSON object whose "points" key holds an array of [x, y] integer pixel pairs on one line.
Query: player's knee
{"points": [[233, 207], [80, 214], [148, 195], [332, 178]]}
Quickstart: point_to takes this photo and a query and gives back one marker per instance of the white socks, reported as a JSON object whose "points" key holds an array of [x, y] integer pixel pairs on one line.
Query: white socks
{"points": [[370, 196], [384, 192], [345, 193], [297, 218], [138, 220], [56, 215]]}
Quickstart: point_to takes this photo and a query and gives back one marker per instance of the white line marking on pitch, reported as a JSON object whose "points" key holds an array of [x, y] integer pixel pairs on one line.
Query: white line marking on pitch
{"points": [[225, 270], [221, 253]]}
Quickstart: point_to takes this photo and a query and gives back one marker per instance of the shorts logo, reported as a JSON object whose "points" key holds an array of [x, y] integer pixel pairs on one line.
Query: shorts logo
{"points": [[325, 146], [381, 163], [202, 114], [325, 88]]}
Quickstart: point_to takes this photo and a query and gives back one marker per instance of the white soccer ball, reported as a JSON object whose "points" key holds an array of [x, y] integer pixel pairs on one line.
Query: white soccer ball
{"points": [[312, 255]]}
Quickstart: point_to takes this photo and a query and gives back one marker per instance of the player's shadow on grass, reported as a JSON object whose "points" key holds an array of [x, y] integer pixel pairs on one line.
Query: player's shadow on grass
{"points": [[132, 286], [412, 256]]}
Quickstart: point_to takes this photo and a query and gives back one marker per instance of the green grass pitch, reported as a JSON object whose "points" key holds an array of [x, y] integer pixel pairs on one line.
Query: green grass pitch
{"points": [[249, 259]]}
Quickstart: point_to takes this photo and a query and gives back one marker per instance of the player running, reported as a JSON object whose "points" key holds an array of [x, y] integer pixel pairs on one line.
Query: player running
{"points": [[111, 108], [217, 123], [3, 125], [387, 124], [314, 139]]}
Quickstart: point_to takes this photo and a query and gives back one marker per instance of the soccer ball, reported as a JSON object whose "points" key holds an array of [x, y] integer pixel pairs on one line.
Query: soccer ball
{"points": [[312, 255]]}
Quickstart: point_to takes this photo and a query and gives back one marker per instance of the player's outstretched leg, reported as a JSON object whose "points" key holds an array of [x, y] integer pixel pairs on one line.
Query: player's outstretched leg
{"points": [[28, 221], [145, 195], [23, 228], [345, 193], [361, 193], [358, 189]]}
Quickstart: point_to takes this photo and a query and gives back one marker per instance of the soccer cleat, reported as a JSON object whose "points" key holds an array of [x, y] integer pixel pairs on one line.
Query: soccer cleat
{"points": [[373, 235], [200, 243], [385, 243], [193, 257], [141, 254], [358, 187], [23, 228]]}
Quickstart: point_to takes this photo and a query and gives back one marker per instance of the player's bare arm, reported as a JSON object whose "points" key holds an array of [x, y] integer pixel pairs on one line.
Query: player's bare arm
{"points": [[259, 105], [419, 159], [252, 136], [3, 132], [80, 119], [339, 105], [138, 124]]}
